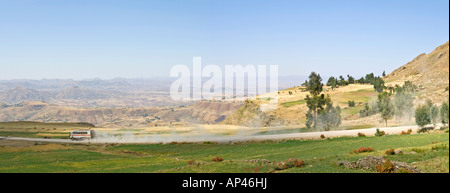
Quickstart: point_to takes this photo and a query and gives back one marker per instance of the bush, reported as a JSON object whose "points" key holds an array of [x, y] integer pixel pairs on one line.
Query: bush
{"points": [[418, 150], [290, 163], [361, 134], [380, 133], [362, 150], [217, 159], [390, 152], [438, 147], [407, 132], [422, 115], [387, 167], [322, 136], [351, 103], [191, 162], [425, 129]]}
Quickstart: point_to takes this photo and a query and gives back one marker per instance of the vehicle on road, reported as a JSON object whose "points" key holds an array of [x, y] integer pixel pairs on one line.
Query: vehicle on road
{"points": [[82, 134]]}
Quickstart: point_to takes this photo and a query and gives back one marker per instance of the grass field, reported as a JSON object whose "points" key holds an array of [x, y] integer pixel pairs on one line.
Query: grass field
{"points": [[39, 130], [432, 155], [293, 103]]}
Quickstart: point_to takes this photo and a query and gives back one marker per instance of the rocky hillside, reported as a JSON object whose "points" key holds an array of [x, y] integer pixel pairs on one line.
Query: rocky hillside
{"points": [[20, 94], [429, 71], [250, 115]]}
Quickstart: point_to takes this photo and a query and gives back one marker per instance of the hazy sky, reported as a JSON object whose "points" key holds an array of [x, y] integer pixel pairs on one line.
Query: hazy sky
{"points": [[82, 39]]}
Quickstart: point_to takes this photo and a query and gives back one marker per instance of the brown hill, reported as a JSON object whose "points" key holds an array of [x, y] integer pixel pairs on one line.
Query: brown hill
{"points": [[202, 112], [429, 71], [20, 94]]}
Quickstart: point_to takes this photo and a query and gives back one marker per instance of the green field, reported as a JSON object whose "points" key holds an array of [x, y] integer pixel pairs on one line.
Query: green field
{"points": [[293, 103], [319, 155], [39, 130]]}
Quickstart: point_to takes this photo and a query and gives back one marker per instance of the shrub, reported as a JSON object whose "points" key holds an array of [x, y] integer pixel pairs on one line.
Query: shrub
{"points": [[299, 163], [386, 167], [422, 115], [217, 159], [425, 129], [290, 163], [380, 133], [418, 150], [351, 103], [361, 134], [322, 136], [191, 162], [407, 132], [438, 147], [390, 152], [362, 150]]}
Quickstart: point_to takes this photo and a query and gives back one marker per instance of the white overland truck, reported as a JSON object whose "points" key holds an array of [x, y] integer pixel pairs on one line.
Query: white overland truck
{"points": [[82, 134]]}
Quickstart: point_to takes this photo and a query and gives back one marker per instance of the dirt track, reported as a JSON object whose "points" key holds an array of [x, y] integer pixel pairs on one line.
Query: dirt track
{"points": [[333, 134], [309, 135]]}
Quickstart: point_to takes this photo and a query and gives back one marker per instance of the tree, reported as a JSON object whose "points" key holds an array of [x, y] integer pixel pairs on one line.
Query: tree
{"points": [[305, 83], [314, 101], [369, 78], [385, 106], [321, 113], [444, 113], [422, 115], [361, 80], [351, 80], [309, 119], [409, 87], [332, 82], [378, 84], [330, 117], [314, 86], [403, 103], [384, 73], [342, 81], [434, 114]]}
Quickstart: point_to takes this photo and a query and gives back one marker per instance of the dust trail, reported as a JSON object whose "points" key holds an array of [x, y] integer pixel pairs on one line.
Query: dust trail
{"points": [[199, 134]]}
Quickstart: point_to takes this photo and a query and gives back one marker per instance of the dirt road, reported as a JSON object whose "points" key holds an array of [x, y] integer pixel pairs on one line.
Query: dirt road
{"points": [[227, 139], [333, 134]]}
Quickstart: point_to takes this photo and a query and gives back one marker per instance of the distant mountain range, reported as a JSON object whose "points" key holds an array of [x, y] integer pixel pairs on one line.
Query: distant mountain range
{"points": [[118, 84], [117, 92]]}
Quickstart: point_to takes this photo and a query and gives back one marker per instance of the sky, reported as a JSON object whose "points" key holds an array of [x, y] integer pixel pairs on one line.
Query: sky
{"points": [[85, 39]]}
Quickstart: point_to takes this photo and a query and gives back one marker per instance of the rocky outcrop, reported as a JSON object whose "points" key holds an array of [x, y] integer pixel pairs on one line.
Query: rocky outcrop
{"points": [[370, 162]]}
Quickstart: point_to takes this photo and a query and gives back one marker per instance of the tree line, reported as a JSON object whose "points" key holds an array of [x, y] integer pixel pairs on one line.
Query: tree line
{"points": [[396, 101], [376, 81]]}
